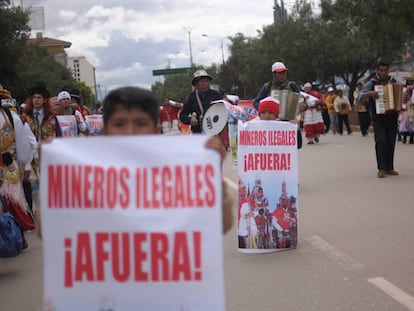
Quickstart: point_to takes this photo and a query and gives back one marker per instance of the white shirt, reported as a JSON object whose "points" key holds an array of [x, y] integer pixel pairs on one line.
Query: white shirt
{"points": [[25, 141]]}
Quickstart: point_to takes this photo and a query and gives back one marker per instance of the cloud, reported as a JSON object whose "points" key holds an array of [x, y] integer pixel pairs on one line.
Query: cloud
{"points": [[126, 40]]}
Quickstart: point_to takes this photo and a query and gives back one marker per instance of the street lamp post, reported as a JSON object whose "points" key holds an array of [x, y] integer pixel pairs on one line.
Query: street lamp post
{"points": [[221, 45], [188, 29]]}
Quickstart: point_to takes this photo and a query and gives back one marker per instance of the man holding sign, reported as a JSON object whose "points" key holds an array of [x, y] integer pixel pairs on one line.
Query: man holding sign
{"points": [[71, 121], [109, 236]]}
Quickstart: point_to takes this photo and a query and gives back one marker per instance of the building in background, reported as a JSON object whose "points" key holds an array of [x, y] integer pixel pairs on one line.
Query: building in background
{"points": [[55, 47], [82, 71]]}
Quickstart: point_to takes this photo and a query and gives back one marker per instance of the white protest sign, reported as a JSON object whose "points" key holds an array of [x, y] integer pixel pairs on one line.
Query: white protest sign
{"points": [[68, 125], [132, 223], [95, 124], [268, 186]]}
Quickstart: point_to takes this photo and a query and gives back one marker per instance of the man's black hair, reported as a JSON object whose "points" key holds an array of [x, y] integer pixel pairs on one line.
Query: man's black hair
{"points": [[131, 97], [383, 63]]}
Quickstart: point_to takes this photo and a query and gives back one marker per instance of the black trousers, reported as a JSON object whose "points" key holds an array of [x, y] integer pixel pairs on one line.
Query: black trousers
{"points": [[343, 118], [364, 122], [326, 119], [27, 188], [385, 134]]}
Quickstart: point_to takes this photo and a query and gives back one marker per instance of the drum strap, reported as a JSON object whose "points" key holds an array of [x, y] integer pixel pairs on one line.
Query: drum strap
{"points": [[200, 104]]}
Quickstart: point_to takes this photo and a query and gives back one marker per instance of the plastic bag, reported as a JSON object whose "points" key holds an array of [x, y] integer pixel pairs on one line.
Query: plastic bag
{"points": [[11, 239]]}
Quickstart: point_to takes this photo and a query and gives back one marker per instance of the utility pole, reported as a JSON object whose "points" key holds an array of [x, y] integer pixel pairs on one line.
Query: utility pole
{"points": [[221, 45], [279, 12], [189, 29]]}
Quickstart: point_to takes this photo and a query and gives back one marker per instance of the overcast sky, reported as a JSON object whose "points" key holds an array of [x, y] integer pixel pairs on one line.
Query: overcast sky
{"points": [[126, 39]]}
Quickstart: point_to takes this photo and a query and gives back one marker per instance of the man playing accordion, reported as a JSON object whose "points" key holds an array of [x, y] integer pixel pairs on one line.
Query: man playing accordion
{"points": [[385, 124]]}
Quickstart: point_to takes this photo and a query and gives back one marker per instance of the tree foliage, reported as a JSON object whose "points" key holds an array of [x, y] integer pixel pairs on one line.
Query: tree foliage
{"points": [[22, 64], [178, 86], [39, 65], [88, 99], [13, 34], [344, 41]]}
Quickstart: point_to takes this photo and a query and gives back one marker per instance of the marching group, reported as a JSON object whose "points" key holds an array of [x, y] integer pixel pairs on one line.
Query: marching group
{"points": [[21, 130], [127, 111], [321, 111], [324, 111]]}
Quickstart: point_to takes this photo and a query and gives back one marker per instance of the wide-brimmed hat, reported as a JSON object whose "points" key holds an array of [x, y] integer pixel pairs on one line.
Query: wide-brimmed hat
{"points": [[75, 93], [39, 88], [199, 74], [5, 94], [409, 77]]}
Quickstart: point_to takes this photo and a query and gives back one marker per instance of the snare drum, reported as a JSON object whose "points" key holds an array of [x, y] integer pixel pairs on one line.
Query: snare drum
{"points": [[215, 118]]}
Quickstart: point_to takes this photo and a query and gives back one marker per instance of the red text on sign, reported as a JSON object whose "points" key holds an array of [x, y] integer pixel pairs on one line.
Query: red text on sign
{"points": [[267, 162], [132, 257]]}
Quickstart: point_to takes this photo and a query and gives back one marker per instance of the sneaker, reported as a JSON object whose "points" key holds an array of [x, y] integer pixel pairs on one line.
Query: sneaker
{"points": [[381, 173], [392, 172], [317, 139], [310, 142]]}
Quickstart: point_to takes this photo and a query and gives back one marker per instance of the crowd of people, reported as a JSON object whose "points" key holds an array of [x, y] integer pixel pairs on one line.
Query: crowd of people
{"points": [[317, 111], [22, 129], [127, 111]]}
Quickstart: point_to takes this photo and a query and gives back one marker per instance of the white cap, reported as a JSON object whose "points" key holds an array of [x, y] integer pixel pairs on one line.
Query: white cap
{"points": [[331, 89], [279, 67], [307, 84], [63, 95], [7, 103]]}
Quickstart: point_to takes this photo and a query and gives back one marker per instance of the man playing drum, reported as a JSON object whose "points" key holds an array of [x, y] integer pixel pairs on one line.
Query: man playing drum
{"points": [[198, 101]]}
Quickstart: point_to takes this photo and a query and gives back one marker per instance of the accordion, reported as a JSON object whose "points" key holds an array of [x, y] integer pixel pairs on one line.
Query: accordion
{"points": [[289, 103], [390, 97]]}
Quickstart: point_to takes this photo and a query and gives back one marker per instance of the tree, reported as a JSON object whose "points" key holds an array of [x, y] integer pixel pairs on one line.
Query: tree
{"points": [[175, 87], [345, 41], [21, 65], [39, 65], [363, 32], [246, 65], [88, 99], [178, 86], [13, 33]]}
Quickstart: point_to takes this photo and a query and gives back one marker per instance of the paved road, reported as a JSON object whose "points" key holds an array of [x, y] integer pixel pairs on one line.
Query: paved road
{"points": [[355, 247], [355, 235]]}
